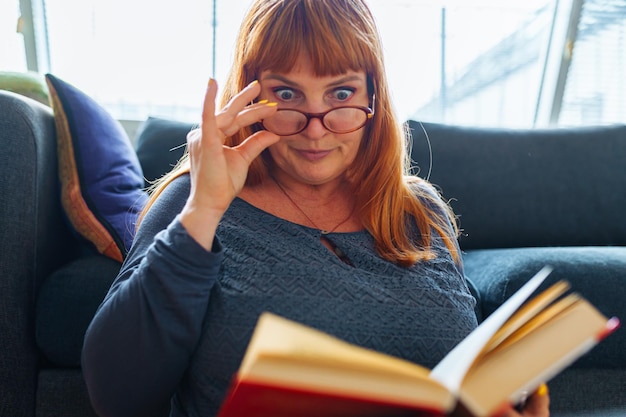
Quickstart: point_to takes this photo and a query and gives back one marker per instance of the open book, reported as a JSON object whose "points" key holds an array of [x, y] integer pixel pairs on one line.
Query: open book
{"points": [[291, 370]]}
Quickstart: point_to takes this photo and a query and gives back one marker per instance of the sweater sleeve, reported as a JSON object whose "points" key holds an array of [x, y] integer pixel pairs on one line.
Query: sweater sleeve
{"points": [[433, 199], [141, 339]]}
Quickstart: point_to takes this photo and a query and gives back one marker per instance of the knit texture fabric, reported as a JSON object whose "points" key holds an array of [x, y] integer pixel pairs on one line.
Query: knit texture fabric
{"points": [[264, 263]]}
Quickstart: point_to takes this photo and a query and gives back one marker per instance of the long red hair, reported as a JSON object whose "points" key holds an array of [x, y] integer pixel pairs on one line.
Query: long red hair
{"points": [[341, 35]]}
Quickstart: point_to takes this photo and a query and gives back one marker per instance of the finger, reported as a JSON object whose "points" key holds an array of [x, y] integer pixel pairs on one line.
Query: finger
{"points": [[538, 404], [228, 114], [241, 100], [250, 115], [252, 147], [509, 412], [194, 139], [208, 125], [194, 134], [247, 95]]}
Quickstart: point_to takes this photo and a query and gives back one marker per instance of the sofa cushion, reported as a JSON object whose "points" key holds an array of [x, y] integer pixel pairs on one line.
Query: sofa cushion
{"points": [[101, 179], [66, 303], [597, 273], [528, 187], [160, 144], [593, 392], [63, 393]]}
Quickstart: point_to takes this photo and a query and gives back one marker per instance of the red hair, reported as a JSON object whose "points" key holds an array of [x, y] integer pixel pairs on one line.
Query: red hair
{"points": [[341, 35]]}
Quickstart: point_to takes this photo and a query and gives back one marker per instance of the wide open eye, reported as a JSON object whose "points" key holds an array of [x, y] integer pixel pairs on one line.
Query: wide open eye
{"points": [[343, 94], [285, 94]]}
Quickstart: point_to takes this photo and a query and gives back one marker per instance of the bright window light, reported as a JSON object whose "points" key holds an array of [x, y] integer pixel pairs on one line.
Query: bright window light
{"points": [[136, 57], [474, 62], [12, 55], [435, 53], [595, 92], [142, 64]]}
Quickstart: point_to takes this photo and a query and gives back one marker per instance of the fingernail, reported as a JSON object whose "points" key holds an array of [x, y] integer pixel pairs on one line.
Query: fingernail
{"points": [[253, 83], [542, 390], [272, 104], [263, 101]]}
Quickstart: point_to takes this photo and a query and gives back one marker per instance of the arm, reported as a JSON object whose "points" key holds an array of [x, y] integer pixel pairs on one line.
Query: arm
{"points": [[140, 341], [431, 198]]}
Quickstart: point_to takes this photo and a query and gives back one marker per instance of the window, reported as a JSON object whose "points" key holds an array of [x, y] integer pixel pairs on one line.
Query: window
{"points": [[12, 56], [476, 62], [595, 92], [136, 57], [465, 62]]}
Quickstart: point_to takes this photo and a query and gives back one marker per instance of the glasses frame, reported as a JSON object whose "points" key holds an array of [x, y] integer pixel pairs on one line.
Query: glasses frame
{"points": [[369, 111]]}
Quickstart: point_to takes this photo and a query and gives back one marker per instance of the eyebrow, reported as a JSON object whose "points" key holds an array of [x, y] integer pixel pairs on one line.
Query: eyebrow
{"points": [[338, 82]]}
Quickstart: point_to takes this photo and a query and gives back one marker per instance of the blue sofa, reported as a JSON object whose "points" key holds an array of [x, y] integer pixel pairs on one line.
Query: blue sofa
{"points": [[529, 198], [524, 198]]}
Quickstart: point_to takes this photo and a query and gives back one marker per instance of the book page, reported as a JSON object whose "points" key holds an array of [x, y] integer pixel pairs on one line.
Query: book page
{"points": [[572, 327], [334, 379], [279, 337], [284, 353], [542, 318], [454, 366], [528, 311]]}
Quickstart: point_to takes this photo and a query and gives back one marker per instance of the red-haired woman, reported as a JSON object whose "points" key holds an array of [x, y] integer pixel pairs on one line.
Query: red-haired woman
{"points": [[294, 198]]}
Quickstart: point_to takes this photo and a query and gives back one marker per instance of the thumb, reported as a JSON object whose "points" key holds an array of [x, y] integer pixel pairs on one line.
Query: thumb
{"points": [[252, 147]]}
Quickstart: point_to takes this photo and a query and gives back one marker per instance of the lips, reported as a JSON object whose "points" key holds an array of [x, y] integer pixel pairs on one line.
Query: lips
{"points": [[311, 155]]}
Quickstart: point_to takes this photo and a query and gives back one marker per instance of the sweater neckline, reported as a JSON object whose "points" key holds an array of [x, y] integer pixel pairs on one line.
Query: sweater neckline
{"points": [[309, 229]]}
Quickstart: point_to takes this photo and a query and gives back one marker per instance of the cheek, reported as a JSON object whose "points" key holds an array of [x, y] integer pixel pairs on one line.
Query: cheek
{"points": [[353, 143], [278, 150]]}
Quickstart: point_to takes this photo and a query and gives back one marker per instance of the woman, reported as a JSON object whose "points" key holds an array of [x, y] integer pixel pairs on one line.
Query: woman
{"points": [[294, 199]]}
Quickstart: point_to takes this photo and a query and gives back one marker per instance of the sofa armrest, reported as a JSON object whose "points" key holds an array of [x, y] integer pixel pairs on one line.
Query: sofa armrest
{"points": [[35, 240]]}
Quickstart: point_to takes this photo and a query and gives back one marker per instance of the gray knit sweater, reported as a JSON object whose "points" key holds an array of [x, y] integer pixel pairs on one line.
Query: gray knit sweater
{"points": [[177, 320]]}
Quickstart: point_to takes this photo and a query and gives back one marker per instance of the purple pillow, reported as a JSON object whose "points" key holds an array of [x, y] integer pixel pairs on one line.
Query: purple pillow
{"points": [[102, 186]]}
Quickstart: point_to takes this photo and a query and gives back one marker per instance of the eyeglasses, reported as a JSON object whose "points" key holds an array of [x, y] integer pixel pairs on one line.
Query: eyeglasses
{"points": [[346, 119]]}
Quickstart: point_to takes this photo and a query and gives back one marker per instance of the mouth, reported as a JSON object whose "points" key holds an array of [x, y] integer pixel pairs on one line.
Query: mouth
{"points": [[313, 155]]}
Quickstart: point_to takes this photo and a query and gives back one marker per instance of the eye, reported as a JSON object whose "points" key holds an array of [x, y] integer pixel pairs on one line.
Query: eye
{"points": [[343, 94], [285, 94]]}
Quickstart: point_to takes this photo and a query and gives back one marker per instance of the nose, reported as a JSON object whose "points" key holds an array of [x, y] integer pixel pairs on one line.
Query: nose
{"points": [[315, 129]]}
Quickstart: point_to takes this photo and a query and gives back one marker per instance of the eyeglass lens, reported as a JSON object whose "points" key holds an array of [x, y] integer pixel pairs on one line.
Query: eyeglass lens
{"points": [[340, 120]]}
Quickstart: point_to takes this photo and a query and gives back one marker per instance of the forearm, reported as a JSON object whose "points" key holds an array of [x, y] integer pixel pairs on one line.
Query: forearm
{"points": [[141, 339]]}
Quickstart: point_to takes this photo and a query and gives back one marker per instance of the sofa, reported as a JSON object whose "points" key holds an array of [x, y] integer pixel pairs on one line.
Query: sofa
{"points": [[525, 198], [530, 198], [51, 279]]}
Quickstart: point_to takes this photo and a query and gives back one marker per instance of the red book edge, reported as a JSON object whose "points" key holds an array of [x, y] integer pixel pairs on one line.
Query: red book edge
{"points": [[266, 399], [612, 324]]}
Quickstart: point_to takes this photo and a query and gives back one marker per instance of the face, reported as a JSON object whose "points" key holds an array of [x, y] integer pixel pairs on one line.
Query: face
{"points": [[316, 155]]}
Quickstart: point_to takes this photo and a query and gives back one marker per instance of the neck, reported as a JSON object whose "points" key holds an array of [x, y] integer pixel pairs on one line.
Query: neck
{"points": [[318, 215], [314, 196]]}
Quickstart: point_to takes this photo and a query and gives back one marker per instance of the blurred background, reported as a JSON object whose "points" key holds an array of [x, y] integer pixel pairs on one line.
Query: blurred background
{"points": [[514, 63]]}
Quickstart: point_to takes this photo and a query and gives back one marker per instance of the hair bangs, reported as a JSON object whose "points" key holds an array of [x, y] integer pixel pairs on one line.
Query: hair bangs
{"points": [[329, 36]]}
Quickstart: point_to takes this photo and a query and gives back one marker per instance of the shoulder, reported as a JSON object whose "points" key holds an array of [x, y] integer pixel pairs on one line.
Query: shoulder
{"points": [[166, 206], [433, 204], [426, 193], [173, 197]]}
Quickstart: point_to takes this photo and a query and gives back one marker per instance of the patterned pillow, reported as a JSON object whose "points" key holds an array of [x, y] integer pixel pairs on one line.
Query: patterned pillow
{"points": [[101, 180]]}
